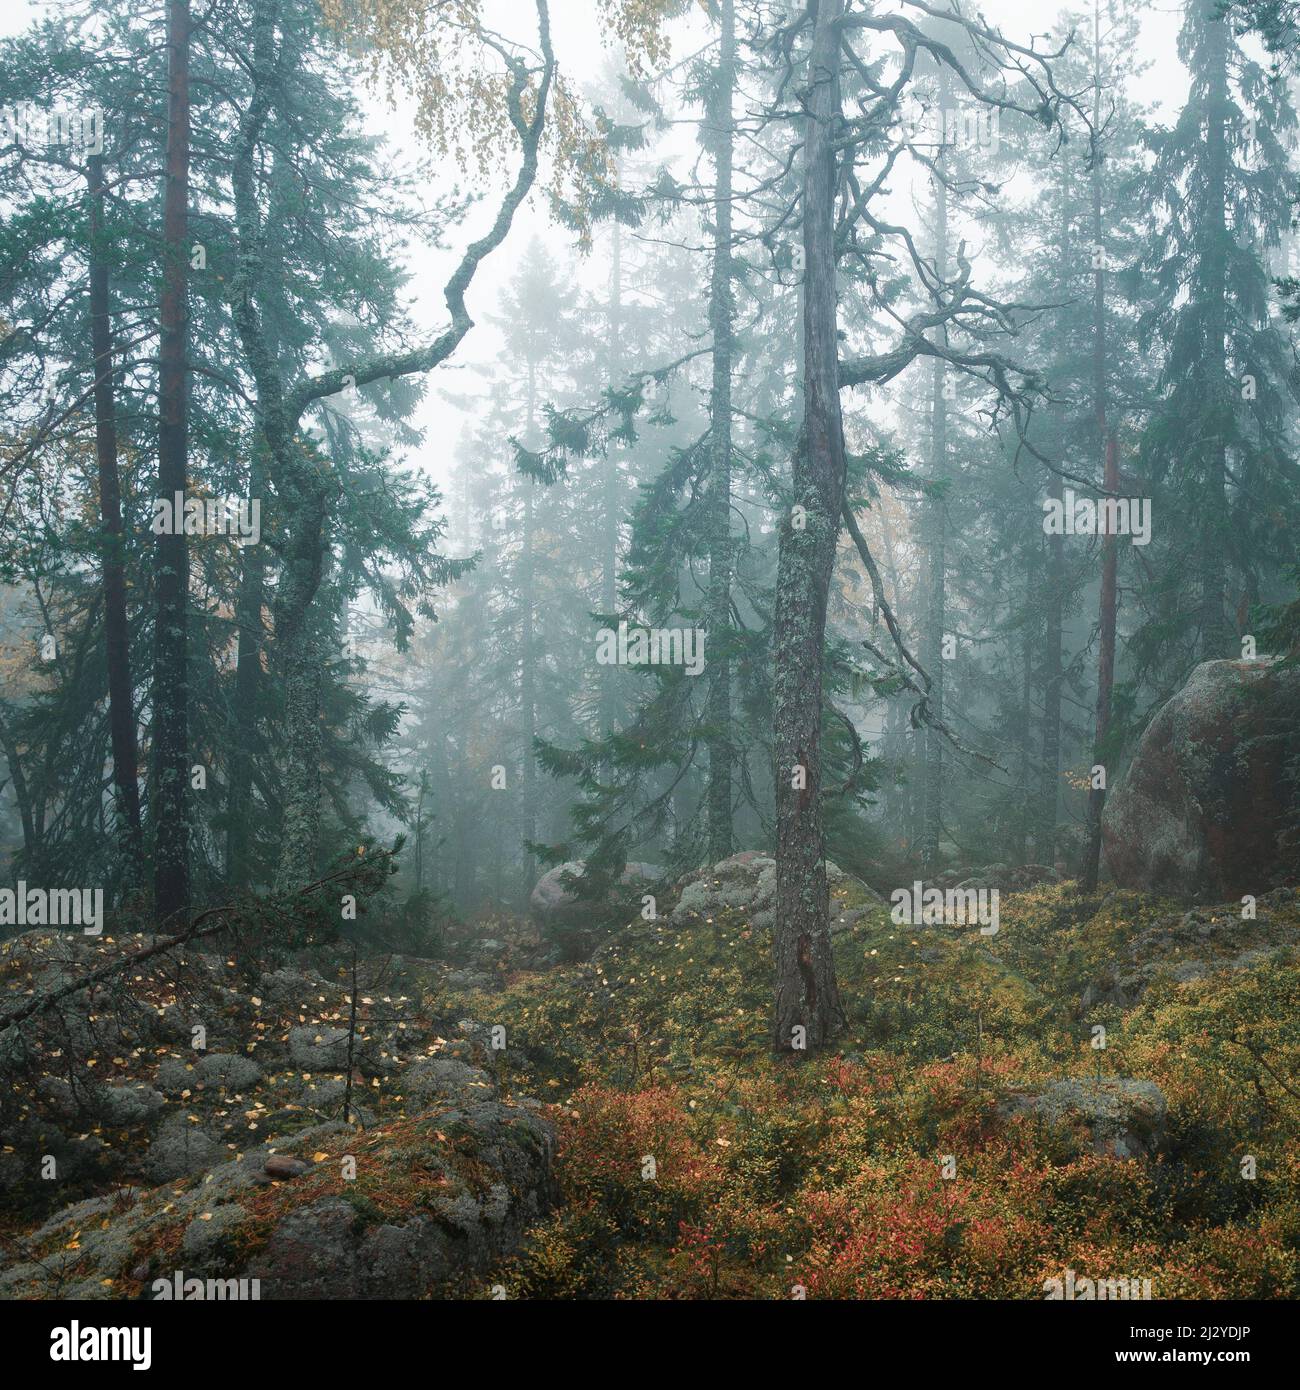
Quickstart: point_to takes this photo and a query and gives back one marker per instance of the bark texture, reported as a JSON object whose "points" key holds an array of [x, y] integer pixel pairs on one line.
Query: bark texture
{"points": [[936, 587], [1106, 443], [170, 815], [718, 711], [808, 1011]]}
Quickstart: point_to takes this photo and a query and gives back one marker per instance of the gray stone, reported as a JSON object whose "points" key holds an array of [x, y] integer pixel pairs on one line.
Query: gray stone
{"points": [[312, 1254], [318, 1048], [550, 899], [1191, 946], [294, 987], [1206, 808], [320, 1093], [229, 1070], [330, 1247], [404, 1261], [205, 1244], [63, 1100], [282, 1166], [746, 882], [433, 1077], [468, 979], [174, 1076], [180, 1148], [1123, 1117], [126, 1106], [1006, 878]]}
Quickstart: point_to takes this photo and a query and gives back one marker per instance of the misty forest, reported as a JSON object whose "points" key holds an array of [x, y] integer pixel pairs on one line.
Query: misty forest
{"points": [[649, 649]]}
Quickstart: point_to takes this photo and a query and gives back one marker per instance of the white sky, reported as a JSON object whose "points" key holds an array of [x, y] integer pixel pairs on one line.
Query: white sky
{"points": [[583, 56]]}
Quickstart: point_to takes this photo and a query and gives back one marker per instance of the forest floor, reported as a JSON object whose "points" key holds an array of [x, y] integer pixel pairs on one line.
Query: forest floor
{"points": [[825, 1177], [967, 1136]]}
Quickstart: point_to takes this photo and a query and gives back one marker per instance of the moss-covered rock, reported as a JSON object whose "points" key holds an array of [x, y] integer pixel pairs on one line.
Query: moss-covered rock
{"points": [[1208, 807]]}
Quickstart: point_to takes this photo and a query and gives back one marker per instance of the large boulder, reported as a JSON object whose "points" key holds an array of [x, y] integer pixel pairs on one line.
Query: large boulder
{"points": [[436, 1203], [180, 1147], [551, 900], [1206, 807], [1006, 878], [571, 927], [229, 1070], [746, 882], [332, 1248], [1115, 1115]]}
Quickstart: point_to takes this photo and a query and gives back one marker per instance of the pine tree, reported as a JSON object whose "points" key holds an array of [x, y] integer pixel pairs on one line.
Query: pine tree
{"points": [[1215, 453]]}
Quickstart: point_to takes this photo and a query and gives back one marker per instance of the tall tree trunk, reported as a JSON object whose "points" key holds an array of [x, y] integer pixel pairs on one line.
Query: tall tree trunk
{"points": [[300, 482], [718, 709], [1105, 676], [608, 703], [468, 813], [528, 656], [498, 852], [807, 1010], [1054, 612], [895, 795], [936, 589], [1053, 679], [170, 812], [1216, 637], [1105, 446], [1024, 804], [440, 792], [121, 697], [251, 638], [300, 668], [22, 793]]}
